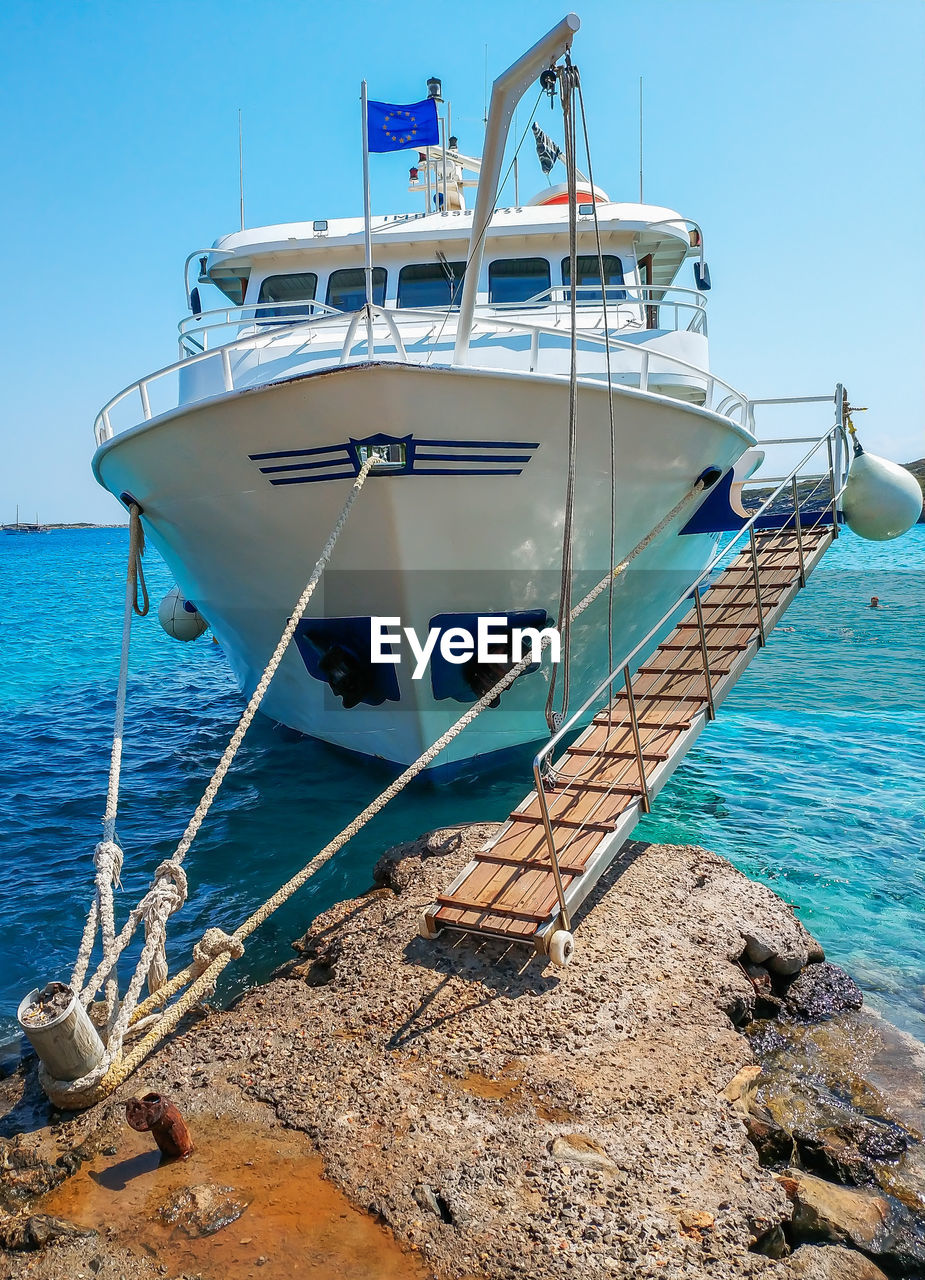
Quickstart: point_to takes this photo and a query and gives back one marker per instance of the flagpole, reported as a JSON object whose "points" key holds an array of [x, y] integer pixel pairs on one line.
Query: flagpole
{"points": [[367, 225]]}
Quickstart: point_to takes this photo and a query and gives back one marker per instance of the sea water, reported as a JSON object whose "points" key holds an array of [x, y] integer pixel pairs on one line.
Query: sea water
{"points": [[812, 779]]}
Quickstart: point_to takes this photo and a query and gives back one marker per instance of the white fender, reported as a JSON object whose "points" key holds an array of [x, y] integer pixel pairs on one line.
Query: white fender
{"points": [[882, 500], [179, 618]]}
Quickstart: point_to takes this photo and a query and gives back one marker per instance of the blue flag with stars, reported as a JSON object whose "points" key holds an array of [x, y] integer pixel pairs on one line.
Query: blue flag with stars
{"points": [[393, 127]]}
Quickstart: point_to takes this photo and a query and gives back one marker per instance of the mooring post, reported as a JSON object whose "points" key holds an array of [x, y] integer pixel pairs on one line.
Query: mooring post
{"points": [[59, 1029]]}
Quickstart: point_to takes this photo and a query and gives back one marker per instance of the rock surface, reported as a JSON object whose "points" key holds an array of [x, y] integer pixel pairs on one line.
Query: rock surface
{"points": [[35, 1231], [828, 1212], [872, 1222], [848, 1095], [820, 992], [813, 1262], [202, 1210], [507, 1119]]}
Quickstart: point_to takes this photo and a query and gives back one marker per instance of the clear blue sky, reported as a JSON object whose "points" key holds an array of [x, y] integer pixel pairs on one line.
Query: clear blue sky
{"points": [[793, 130]]}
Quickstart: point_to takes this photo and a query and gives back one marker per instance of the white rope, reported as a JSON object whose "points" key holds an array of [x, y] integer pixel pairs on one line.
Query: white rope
{"points": [[107, 857], [568, 79], [168, 890]]}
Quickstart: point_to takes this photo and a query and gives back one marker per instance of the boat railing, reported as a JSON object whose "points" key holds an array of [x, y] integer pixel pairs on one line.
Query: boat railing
{"points": [[662, 307], [197, 332], [648, 306], [803, 500], [335, 336]]}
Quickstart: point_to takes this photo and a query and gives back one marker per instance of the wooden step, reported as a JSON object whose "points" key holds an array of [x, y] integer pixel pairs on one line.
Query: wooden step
{"points": [[464, 904], [617, 733], [576, 824], [565, 868], [607, 788], [655, 713], [620, 775], [661, 663], [525, 838], [723, 637], [604, 753]]}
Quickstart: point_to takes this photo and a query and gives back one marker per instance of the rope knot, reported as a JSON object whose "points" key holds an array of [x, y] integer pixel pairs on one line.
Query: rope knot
{"points": [[170, 881], [107, 858], [212, 944]]}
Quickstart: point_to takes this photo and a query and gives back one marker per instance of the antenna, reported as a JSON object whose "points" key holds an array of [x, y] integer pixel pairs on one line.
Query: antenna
{"points": [[640, 140], [485, 94], [516, 173], [241, 164]]}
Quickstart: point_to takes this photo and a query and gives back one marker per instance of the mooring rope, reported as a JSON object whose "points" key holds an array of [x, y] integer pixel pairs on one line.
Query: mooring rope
{"points": [[107, 857], [216, 949], [168, 890]]}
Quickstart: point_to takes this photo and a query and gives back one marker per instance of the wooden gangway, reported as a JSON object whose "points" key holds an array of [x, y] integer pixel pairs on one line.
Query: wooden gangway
{"points": [[525, 883]]}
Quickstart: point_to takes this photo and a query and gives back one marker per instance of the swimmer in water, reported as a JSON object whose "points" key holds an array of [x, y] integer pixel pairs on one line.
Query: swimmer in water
{"points": [[875, 602]]}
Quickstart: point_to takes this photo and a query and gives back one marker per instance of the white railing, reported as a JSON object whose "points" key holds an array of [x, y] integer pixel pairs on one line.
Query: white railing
{"points": [[668, 308], [258, 317], [333, 338]]}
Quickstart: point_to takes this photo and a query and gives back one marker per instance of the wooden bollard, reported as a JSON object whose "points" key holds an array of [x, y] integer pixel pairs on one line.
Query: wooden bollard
{"points": [[60, 1031]]}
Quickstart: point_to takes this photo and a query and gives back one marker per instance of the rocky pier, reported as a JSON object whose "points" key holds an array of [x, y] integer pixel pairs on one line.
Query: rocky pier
{"points": [[699, 1094]]}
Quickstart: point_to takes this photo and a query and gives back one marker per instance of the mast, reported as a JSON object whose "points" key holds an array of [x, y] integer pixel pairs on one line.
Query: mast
{"points": [[640, 140], [506, 92], [241, 164]]}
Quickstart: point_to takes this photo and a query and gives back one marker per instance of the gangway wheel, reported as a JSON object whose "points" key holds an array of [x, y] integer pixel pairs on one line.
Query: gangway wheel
{"points": [[425, 928], [561, 948]]}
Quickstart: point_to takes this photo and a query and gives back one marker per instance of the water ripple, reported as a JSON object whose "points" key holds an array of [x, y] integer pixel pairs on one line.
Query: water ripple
{"points": [[812, 778]]}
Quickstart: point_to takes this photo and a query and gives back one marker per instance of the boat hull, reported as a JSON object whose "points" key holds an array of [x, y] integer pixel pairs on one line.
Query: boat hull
{"points": [[240, 493]]}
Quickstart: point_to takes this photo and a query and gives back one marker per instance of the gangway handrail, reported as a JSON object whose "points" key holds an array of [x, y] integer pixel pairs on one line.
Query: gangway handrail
{"points": [[569, 724], [836, 487]]}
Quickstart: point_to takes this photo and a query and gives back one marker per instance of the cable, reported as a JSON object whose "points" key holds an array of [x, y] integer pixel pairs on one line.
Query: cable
{"points": [[613, 432], [484, 230], [568, 79]]}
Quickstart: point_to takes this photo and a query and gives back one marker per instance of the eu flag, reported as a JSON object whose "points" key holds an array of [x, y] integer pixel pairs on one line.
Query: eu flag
{"points": [[393, 127]]}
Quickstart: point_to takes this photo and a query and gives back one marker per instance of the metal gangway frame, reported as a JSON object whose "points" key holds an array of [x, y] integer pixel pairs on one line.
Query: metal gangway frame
{"points": [[767, 562]]}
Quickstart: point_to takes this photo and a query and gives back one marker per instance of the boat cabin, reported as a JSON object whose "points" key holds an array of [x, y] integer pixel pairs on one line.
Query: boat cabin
{"points": [[294, 270]]}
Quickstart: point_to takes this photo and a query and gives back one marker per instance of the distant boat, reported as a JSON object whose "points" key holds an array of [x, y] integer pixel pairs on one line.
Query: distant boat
{"points": [[25, 527]]}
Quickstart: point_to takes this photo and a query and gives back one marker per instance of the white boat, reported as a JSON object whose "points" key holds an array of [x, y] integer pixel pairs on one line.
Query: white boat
{"points": [[242, 452]]}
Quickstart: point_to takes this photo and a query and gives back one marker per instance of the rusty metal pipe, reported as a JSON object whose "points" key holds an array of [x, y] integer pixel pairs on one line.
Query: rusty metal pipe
{"points": [[157, 1115]]}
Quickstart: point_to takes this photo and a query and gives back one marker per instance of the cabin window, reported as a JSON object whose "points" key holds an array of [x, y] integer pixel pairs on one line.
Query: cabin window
{"points": [[286, 290], [347, 288], [589, 275], [430, 284], [233, 287], [517, 279]]}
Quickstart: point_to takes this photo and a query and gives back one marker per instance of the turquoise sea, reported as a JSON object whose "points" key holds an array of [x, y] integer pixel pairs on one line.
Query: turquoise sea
{"points": [[812, 779]]}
